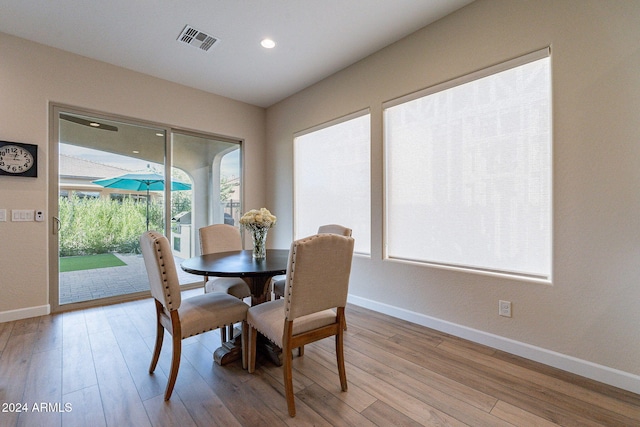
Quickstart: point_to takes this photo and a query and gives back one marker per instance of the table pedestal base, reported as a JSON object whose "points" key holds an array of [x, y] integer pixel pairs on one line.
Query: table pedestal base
{"points": [[269, 349], [231, 351], [259, 286]]}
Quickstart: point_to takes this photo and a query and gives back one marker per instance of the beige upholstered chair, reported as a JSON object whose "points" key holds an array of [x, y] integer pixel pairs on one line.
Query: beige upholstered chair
{"points": [[183, 318], [223, 238], [317, 283], [278, 284]]}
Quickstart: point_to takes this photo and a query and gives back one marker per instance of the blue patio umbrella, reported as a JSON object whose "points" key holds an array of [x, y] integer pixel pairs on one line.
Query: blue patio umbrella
{"points": [[141, 181]]}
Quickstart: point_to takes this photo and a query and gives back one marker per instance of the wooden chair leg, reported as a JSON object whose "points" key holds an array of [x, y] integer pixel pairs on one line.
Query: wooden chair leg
{"points": [[288, 381], [244, 340], [252, 339], [176, 335], [301, 351], [156, 350], [175, 365], [340, 357], [287, 368], [223, 335], [159, 339]]}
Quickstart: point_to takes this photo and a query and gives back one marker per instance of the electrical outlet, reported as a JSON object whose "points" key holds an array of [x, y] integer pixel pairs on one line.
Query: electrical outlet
{"points": [[504, 308]]}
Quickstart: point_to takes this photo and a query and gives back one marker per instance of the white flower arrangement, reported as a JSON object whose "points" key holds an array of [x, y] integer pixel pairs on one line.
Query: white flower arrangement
{"points": [[258, 222], [257, 219]]}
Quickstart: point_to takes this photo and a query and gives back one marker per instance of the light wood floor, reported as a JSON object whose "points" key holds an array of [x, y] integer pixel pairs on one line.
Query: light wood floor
{"points": [[89, 368]]}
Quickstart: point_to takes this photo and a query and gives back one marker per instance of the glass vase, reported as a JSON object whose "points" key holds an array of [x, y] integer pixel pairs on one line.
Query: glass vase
{"points": [[259, 237]]}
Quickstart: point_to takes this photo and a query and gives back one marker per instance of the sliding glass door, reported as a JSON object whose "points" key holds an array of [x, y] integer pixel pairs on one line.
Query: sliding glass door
{"points": [[213, 164], [109, 184]]}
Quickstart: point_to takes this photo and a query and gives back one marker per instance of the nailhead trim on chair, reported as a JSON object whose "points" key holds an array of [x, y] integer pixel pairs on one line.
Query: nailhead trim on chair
{"points": [[166, 287], [291, 275], [164, 274], [207, 330], [261, 331], [293, 270]]}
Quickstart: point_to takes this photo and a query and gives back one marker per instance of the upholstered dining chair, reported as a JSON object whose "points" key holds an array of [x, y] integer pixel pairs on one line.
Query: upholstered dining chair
{"points": [[279, 282], [223, 238], [183, 318], [317, 283]]}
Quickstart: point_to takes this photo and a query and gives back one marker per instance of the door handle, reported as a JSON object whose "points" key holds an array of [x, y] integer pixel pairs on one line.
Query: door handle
{"points": [[56, 225]]}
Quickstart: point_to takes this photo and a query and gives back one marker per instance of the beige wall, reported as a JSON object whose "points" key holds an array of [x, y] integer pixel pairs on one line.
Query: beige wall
{"points": [[588, 320], [31, 77]]}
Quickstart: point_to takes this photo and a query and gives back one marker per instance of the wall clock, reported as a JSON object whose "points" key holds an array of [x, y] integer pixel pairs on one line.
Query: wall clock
{"points": [[18, 159]]}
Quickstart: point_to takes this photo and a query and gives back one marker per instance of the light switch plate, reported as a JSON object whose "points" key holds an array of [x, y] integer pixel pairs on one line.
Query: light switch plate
{"points": [[3, 215], [21, 215]]}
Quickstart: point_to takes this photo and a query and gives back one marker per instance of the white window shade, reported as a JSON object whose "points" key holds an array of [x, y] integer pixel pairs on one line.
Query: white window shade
{"points": [[468, 172], [332, 179]]}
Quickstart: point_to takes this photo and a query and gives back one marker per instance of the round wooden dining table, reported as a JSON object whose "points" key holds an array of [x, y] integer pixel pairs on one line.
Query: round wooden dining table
{"points": [[257, 273]]}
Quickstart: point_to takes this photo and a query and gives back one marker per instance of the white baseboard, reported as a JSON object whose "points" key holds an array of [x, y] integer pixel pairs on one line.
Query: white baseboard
{"points": [[604, 374], [24, 313]]}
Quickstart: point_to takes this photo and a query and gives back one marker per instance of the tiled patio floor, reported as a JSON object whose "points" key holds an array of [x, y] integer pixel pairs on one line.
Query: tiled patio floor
{"points": [[85, 285]]}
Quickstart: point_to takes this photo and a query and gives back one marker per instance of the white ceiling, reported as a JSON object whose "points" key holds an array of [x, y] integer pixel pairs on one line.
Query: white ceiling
{"points": [[315, 38]]}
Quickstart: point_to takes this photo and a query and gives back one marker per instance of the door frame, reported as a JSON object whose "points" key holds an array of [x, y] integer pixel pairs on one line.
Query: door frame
{"points": [[53, 206], [53, 194]]}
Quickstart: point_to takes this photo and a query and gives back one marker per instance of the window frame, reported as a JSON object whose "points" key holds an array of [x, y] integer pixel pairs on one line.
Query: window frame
{"points": [[489, 71], [326, 125]]}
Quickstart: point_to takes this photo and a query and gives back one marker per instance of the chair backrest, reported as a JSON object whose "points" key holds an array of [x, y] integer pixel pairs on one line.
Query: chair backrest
{"points": [[334, 229], [219, 238], [318, 274], [161, 269]]}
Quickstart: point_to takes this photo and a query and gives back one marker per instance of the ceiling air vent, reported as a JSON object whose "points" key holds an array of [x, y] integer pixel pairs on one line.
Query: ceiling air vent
{"points": [[197, 38]]}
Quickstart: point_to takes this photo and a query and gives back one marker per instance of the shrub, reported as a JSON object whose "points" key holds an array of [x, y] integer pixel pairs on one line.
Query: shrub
{"points": [[94, 225]]}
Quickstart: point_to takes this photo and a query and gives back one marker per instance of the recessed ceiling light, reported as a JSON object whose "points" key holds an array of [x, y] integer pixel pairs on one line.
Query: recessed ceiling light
{"points": [[94, 124], [159, 134], [135, 152], [268, 44]]}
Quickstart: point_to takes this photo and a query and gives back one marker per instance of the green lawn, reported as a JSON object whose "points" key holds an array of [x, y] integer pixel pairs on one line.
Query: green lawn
{"points": [[89, 262]]}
